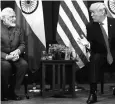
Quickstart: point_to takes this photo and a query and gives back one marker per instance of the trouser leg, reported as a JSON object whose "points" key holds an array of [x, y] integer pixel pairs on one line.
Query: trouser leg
{"points": [[21, 69], [6, 71], [94, 76], [93, 88]]}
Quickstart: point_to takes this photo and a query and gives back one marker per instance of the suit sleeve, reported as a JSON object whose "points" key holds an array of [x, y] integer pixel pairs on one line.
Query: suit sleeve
{"points": [[3, 55], [89, 35], [21, 46]]}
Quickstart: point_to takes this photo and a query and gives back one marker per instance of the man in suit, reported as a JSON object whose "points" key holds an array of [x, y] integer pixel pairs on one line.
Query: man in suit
{"points": [[101, 35], [12, 48]]}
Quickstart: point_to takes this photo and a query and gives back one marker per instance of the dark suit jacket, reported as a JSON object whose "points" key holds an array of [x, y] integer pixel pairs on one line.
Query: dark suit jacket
{"points": [[11, 39], [95, 37]]}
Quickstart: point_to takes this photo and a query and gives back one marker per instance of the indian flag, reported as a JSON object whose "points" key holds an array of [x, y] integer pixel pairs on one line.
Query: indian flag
{"points": [[110, 4], [32, 12]]}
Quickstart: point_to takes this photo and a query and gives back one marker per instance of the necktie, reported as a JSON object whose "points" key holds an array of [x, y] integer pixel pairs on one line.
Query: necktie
{"points": [[109, 56]]}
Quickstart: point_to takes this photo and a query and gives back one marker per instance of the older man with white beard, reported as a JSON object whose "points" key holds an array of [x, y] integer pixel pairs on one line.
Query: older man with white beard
{"points": [[12, 48]]}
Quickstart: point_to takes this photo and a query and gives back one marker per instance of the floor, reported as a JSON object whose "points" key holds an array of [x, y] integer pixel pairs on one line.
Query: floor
{"points": [[81, 97]]}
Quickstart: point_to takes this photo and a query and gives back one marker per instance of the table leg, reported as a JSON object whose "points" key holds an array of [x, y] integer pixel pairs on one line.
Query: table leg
{"points": [[63, 78], [43, 81], [73, 80], [53, 80]]}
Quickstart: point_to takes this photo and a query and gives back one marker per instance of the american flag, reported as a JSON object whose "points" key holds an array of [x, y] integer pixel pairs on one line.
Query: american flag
{"points": [[73, 17]]}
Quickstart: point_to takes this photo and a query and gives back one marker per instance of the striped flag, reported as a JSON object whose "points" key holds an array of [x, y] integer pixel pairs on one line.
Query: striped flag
{"points": [[73, 17], [110, 4], [32, 12]]}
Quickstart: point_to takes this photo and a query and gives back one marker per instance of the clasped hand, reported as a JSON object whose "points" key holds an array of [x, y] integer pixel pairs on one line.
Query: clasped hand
{"points": [[14, 56]]}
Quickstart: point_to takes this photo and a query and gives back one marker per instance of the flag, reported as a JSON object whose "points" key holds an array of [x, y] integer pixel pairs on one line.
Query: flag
{"points": [[110, 5], [33, 23], [73, 17]]}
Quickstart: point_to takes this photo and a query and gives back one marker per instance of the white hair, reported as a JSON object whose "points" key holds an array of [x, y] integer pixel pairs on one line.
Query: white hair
{"points": [[98, 6], [6, 12]]}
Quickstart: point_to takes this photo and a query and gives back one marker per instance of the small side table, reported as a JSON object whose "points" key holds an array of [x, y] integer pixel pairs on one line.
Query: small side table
{"points": [[59, 87]]}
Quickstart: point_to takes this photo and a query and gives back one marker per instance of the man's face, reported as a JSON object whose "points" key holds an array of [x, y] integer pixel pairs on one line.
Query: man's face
{"points": [[96, 15], [10, 19]]}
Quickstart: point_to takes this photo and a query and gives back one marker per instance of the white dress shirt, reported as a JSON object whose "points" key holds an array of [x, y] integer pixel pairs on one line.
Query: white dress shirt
{"points": [[105, 25]]}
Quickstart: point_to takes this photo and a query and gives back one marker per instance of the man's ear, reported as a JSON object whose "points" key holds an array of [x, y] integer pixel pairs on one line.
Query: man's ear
{"points": [[3, 18], [103, 12]]}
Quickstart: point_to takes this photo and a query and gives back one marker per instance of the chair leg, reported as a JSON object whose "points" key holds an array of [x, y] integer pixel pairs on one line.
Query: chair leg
{"points": [[26, 86], [102, 87], [102, 81]]}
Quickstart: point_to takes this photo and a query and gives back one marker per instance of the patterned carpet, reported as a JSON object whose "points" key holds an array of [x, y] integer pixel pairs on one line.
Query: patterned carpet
{"points": [[81, 97]]}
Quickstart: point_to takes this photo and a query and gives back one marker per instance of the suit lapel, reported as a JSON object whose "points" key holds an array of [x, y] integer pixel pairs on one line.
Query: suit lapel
{"points": [[109, 29], [101, 34]]}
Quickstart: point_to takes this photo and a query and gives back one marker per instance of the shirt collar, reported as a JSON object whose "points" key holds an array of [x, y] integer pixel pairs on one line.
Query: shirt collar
{"points": [[105, 21]]}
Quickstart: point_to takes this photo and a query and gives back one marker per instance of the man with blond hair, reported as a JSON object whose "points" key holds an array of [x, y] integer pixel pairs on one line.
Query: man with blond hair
{"points": [[101, 35]]}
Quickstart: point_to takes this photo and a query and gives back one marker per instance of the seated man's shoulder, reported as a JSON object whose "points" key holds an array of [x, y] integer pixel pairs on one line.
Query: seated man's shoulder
{"points": [[90, 25], [112, 19], [18, 28]]}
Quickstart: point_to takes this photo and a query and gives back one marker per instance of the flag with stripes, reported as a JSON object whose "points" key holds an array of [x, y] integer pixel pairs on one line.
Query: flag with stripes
{"points": [[73, 17], [110, 5], [32, 12]]}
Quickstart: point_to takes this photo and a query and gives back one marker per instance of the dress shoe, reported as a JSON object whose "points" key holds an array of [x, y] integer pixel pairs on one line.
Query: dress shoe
{"points": [[15, 97], [114, 91], [92, 98], [4, 99]]}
